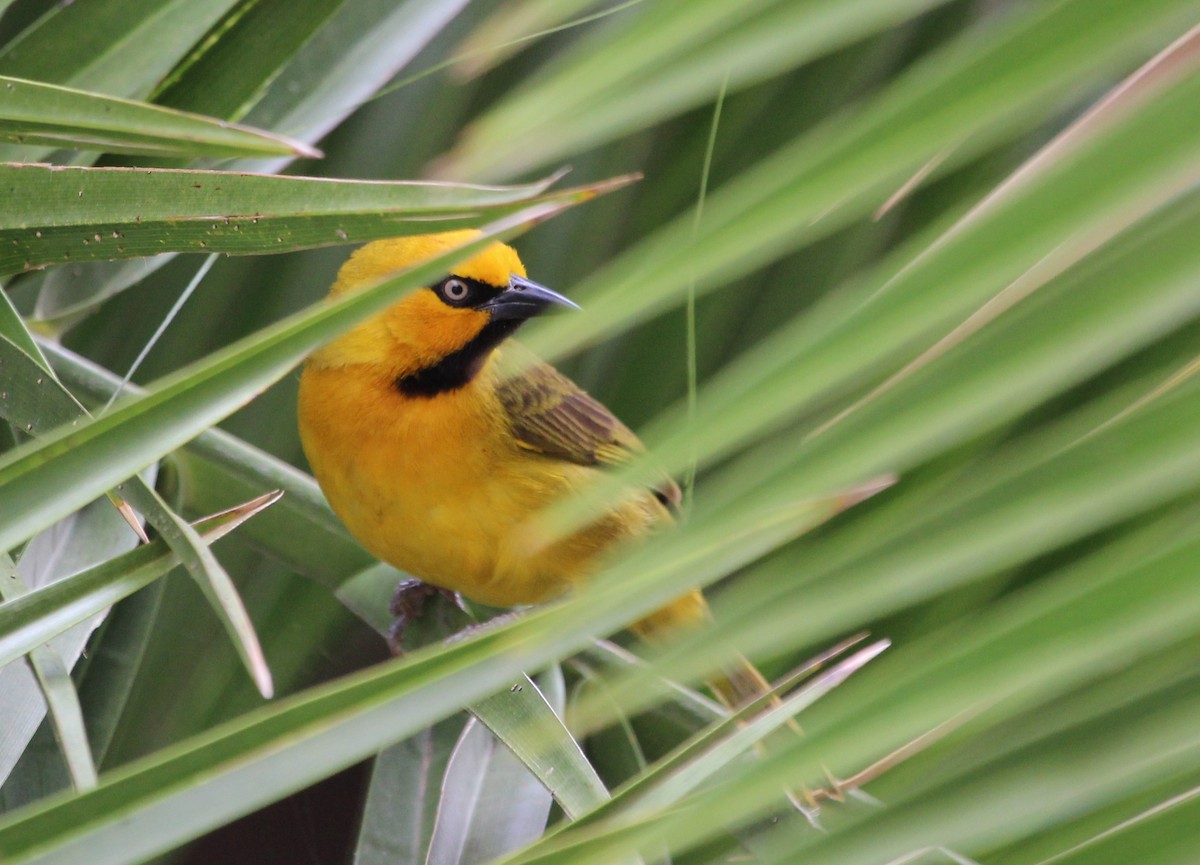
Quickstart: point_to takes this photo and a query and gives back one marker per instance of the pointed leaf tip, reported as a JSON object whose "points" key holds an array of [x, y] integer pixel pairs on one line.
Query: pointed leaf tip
{"points": [[223, 522], [130, 516], [858, 494]]}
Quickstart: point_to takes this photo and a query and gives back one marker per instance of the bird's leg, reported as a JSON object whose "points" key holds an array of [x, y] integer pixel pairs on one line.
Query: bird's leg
{"points": [[408, 605]]}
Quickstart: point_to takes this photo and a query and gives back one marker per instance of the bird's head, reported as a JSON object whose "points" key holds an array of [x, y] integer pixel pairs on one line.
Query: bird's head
{"points": [[439, 336]]}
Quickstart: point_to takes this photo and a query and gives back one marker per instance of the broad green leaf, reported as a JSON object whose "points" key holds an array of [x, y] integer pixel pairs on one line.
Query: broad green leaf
{"points": [[616, 751], [229, 72], [1076, 326], [93, 214], [358, 50], [489, 803], [35, 113], [986, 812], [65, 715], [529, 726], [401, 803], [89, 44], [32, 400]]}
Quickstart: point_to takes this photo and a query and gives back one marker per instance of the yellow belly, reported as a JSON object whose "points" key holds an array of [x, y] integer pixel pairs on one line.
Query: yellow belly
{"points": [[440, 489]]}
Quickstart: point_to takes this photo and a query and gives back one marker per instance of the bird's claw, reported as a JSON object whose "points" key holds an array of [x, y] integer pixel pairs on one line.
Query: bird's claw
{"points": [[408, 605]]}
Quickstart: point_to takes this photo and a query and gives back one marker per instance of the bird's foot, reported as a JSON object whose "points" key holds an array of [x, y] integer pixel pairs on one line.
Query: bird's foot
{"points": [[408, 605]]}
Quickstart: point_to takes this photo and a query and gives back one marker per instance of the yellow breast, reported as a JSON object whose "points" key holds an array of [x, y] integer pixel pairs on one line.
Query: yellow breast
{"points": [[439, 488]]}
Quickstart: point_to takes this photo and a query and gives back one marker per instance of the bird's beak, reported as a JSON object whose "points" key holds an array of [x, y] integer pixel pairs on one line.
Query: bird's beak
{"points": [[524, 299]]}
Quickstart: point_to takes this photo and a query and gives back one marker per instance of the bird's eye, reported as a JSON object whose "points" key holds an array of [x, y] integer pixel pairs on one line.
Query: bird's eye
{"points": [[454, 291]]}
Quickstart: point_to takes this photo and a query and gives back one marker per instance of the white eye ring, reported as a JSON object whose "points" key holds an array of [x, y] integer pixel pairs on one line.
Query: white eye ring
{"points": [[455, 290]]}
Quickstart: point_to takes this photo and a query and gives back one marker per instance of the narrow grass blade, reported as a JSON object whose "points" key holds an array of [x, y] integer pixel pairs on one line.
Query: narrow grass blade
{"points": [[62, 701], [58, 214], [32, 112], [36, 617], [218, 589], [40, 399], [323, 551]]}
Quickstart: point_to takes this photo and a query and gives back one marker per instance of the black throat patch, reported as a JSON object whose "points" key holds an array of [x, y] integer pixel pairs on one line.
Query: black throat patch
{"points": [[459, 367]]}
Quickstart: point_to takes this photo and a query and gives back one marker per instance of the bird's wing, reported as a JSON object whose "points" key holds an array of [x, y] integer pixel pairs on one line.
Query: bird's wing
{"points": [[552, 415]]}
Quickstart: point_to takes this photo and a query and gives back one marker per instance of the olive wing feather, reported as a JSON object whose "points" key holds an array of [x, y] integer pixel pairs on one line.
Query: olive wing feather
{"points": [[552, 415]]}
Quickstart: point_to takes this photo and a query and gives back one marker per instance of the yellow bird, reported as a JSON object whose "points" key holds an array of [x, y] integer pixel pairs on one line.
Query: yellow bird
{"points": [[436, 457]]}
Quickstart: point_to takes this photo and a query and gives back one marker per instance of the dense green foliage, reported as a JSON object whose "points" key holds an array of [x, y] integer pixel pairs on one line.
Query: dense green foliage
{"points": [[909, 288]]}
